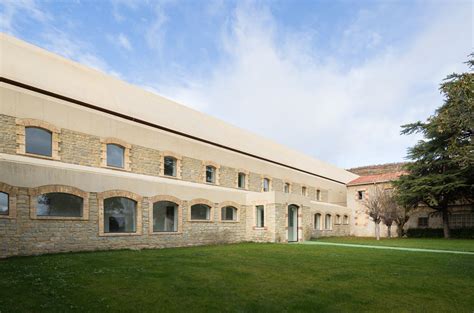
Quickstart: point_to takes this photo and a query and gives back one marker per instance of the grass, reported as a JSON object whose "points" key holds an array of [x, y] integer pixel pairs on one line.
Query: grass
{"points": [[239, 278], [425, 243]]}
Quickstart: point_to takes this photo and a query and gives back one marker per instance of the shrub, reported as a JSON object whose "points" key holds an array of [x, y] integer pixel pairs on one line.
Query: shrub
{"points": [[466, 233]]}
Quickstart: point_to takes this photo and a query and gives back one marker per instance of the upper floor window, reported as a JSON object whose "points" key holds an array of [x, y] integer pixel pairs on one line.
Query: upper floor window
{"points": [[120, 215], [210, 174], [360, 194], [328, 222], [260, 216], [200, 212], [317, 221], [115, 155], [170, 166], [59, 204], [318, 195], [338, 219], [229, 213], [38, 141], [266, 184], [4, 203], [165, 216], [287, 188], [304, 190], [241, 180]]}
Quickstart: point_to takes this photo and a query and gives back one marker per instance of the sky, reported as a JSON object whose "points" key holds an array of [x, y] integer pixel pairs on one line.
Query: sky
{"points": [[332, 79]]}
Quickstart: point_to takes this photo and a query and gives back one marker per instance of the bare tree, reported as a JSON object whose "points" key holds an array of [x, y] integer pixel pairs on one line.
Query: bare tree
{"points": [[374, 205]]}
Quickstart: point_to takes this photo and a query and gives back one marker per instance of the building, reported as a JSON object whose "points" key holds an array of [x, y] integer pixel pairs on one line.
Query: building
{"points": [[90, 162], [381, 176]]}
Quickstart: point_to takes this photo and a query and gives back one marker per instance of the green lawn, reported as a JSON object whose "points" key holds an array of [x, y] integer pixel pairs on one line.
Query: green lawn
{"points": [[425, 243], [239, 278]]}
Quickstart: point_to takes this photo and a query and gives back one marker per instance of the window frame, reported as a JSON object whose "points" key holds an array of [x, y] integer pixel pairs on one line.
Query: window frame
{"points": [[230, 204], [318, 194], [216, 166], [330, 221], [178, 164], [34, 193], [211, 206], [12, 193], [425, 218], [125, 194], [345, 219], [361, 194], [304, 191], [122, 148], [126, 153], [23, 123], [337, 220], [263, 226], [246, 178], [266, 178], [318, 225], [159, 198], [287, 184]]}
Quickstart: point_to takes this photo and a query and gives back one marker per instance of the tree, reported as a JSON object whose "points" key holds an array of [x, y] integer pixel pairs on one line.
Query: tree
{"points": [[442, 169], [374, 205]]}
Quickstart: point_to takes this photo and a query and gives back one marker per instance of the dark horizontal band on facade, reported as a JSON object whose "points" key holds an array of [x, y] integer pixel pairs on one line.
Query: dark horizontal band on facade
{"points": [[176, 132]]}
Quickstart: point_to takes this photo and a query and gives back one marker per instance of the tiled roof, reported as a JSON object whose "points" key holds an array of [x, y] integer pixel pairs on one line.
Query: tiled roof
{"points": [[370, 179]]}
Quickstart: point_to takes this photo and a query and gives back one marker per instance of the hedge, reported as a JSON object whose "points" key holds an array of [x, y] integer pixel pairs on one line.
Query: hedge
{"points": [[466, 233]]}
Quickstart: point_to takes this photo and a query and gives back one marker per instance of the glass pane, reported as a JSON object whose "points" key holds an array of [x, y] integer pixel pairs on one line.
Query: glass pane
{"points": [[38, 141], [210, 171], [59, 204], [260, 216], [229, 213], [266, 184], [317, 221], [119, 215], [4, 205], [241, 180], [170, 166], [200, 212], [115, 155], [287, 188], [165, 216]]}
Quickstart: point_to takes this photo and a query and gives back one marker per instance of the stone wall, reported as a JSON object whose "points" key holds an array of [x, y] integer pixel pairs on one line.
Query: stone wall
{"points": [[7, 134], [78, 148]]}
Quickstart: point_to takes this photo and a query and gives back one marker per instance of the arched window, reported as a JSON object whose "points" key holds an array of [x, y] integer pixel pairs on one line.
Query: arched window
{"points": [[328, 222], [200, 212], [338, 219], [38, 141], [115, 155], [287, 188], [4, 203], [317, 221], [120, 215], [165, 216], [228, 213], [59, 204], [210, 174], [170, 166], [345, 220], [304, 190]]}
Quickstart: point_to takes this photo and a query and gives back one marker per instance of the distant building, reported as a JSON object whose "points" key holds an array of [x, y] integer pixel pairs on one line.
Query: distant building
{"points": [[361, 188]]}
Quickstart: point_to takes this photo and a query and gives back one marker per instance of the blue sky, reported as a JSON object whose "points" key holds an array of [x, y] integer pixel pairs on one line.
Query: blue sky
{"points": [[334, 79]]}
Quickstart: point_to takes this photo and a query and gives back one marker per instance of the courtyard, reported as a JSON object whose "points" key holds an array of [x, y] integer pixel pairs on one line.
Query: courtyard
{"points": [[246, 277]]}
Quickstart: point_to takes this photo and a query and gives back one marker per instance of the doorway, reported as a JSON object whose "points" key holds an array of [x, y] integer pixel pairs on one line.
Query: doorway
{"points": [[292, 223]]}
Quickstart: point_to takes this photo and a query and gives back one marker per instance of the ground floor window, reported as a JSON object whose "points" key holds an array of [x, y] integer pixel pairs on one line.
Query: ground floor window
{"points": [[422, 222], [346, 220], [461, 220], [165, 216], [59, 204], [317, 221], [4, 203], [120, 215], [260, 216], [200, 212], [229, 213], [328, 222]]}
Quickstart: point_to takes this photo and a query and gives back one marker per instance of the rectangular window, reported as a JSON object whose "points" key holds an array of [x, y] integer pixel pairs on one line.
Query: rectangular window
{"points": [[165, 217], [266, 184], [4, 205], [287, 188], [210, 174], [241, 180], [115, 155], [422, 222], [260, 216], [229, 213], [170, 166], [38, 141], [303, 190], [360, 194], [318, 195]]}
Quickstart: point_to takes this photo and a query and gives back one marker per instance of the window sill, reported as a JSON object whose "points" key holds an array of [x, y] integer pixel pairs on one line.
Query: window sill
{"points": [[232, 222], [119, 234], [122, 169], [260, 228], [59, 218], [7, 217], [200, 221], [166, 233], [39, 156], [171, 177]]}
